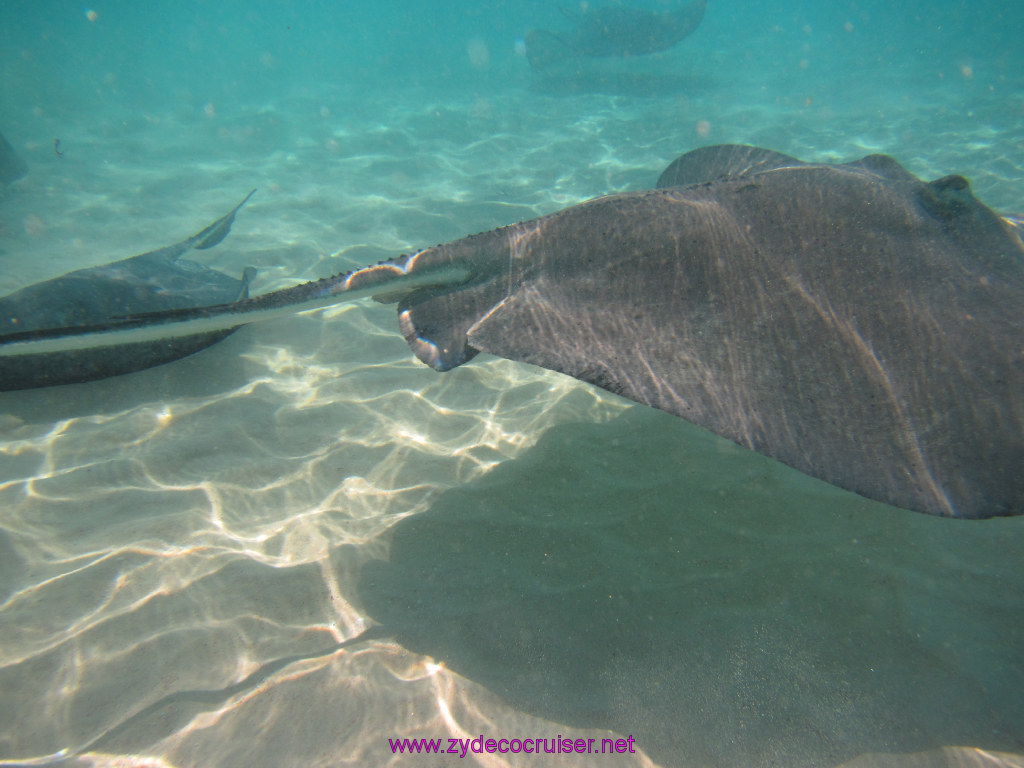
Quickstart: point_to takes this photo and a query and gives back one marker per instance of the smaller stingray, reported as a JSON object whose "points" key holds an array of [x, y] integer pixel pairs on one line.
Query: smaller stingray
{"points": [[12, 167], [614, 31], [150, 282]]}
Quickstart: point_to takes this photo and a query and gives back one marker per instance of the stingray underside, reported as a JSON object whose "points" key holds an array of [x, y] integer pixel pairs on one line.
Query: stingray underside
{"points": [[850, 321]]}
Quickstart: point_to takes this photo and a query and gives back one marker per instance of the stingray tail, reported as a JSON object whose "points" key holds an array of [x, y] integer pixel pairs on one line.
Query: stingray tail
{"points": [[389, 281], [217, 231], [205, 238]]}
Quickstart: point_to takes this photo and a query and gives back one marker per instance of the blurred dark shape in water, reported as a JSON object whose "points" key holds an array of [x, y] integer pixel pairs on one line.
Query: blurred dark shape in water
{"points": [[613, 31], [12, 167]]}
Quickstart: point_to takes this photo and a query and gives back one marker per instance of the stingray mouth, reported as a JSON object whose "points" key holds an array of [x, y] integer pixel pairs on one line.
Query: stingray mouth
{"points": [[430, 349]]}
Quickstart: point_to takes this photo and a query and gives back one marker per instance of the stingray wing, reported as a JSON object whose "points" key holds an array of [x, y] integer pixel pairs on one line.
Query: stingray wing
{"points": [[722, 161], [849, 321], [12, 167]]}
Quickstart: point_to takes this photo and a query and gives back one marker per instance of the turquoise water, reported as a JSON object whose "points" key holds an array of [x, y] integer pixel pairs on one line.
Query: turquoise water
{"points": [[188, 555]]}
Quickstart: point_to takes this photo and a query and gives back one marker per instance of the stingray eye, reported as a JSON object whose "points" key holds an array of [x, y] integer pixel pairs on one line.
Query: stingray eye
{"points": [[947, 198]]}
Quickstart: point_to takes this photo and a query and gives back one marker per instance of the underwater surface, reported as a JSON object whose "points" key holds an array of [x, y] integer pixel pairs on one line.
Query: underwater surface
{"points": [[301, 543]]}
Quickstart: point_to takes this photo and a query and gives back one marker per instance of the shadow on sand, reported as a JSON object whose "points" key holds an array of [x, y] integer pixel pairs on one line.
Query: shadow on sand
{"points": [[646, 577]]}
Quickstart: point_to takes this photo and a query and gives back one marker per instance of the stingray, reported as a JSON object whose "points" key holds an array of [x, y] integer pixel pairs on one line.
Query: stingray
{"points": [[614, 31], [153, 281], [12, 167], [850, 320]]}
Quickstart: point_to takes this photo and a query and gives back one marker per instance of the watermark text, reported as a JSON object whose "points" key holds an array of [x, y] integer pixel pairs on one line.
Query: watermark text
{"points": [[560, 745]]}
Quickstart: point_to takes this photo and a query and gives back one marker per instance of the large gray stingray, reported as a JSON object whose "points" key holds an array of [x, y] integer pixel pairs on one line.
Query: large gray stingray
{"points": [[154, 281], [614, 31], [851, 321]]}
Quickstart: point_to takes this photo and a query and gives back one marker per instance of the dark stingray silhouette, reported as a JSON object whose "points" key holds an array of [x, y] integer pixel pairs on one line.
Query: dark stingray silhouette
{"points": [[851, 321], [613, 31], [12, 167], [158, 280]]}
